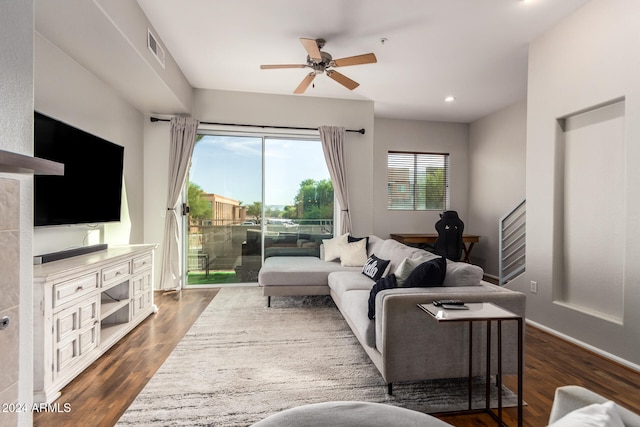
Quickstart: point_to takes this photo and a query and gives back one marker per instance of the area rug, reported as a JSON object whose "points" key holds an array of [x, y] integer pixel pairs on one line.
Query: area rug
{"points": [[242, 361]]}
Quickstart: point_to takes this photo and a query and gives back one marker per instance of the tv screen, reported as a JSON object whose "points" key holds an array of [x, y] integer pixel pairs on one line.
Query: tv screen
{"points": [[91, 188]]}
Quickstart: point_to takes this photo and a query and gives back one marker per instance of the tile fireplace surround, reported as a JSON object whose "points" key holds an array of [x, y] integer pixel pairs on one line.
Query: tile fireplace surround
{"points": [[9, 286]]}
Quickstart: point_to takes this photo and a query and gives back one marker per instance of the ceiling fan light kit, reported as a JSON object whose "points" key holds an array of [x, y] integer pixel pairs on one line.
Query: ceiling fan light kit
{"points": [[322, 62]]}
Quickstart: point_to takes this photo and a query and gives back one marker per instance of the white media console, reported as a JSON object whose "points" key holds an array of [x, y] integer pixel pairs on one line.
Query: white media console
{"points": [[82, 306]]}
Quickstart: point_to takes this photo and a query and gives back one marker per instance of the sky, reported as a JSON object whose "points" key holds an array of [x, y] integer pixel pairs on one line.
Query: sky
{"points": [[231, 166]]}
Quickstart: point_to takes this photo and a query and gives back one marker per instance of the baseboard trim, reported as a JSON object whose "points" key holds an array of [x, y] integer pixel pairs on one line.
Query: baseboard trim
{"points": [[598, 351]]}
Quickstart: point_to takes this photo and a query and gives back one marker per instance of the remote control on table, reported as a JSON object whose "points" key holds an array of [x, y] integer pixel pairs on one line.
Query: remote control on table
{"points": [[441, 302], [455, 307]]}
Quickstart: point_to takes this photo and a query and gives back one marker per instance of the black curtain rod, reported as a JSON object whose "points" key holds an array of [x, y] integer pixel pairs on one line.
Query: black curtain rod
{"points": [[155, 119]]}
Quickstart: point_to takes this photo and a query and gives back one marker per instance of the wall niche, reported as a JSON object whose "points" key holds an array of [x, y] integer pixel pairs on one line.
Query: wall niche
{"points": [[591, 184]]}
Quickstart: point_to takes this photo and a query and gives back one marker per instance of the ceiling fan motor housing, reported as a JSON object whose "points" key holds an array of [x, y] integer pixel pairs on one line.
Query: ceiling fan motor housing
{"points": [[322, 62], [322, 65]]}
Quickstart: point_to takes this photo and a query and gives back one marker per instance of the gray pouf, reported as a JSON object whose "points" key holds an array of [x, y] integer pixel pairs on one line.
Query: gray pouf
{"points": [[350, 414]]}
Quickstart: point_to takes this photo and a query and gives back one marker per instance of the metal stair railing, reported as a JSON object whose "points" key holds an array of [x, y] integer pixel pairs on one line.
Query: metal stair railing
{"points": [[512, 249]]}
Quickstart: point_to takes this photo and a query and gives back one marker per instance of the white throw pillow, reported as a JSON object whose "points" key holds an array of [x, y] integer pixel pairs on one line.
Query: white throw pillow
{"points": [[333, 247], [595, 415], [354, 254]]}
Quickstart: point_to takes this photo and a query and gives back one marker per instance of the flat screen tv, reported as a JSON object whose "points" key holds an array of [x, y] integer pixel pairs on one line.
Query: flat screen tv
{"points": [[90, 190]]}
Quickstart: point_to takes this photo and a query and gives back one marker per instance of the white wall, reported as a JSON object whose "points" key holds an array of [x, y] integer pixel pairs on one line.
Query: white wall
{"points": [[142, 80], [419, 136], [262, 109], [589, 59], [68, 92], [497, 165], [16, 124]]}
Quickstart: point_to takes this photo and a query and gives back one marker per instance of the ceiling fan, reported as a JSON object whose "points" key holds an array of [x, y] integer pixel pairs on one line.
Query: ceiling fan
{"points": [[322, 62]]}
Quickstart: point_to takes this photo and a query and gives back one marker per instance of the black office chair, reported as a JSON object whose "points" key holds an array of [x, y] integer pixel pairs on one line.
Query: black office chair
{"points": [[449, 241]]}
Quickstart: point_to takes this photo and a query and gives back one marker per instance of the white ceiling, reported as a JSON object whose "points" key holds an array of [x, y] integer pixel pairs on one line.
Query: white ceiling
{"points": [[475, 50]]}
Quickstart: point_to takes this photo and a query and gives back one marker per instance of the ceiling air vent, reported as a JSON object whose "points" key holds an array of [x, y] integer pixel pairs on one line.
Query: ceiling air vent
{"points": [[155, 47]]}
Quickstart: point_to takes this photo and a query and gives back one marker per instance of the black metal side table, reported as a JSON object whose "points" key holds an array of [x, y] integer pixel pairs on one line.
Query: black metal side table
{"points": [[485, 312]]}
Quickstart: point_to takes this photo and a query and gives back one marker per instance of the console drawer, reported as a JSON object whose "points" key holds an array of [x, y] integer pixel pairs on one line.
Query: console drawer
{"points": [[74, 288], [142, 263], [115, 273]]}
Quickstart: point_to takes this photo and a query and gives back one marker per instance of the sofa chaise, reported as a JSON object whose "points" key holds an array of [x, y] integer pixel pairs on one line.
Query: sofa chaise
{"points": [[401, 340]]}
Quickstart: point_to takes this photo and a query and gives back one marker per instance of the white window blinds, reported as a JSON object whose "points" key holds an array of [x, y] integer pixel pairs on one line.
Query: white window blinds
{"points": [[417, 181]]}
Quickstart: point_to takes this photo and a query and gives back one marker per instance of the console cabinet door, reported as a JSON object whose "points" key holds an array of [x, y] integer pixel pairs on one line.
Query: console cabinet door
{"points": [[142, 294], [75, 331]]}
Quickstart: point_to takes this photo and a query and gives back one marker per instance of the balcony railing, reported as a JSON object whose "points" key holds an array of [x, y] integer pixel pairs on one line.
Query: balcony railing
{"points": [[242, 247]]}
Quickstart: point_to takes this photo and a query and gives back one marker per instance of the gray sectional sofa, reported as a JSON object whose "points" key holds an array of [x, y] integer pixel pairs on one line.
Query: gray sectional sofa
{"points": [[403, 342]]}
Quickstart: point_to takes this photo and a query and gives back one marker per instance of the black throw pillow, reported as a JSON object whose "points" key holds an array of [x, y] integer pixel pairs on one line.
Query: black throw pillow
{"points": [[388, 282], [375, 267], [429, 274]]}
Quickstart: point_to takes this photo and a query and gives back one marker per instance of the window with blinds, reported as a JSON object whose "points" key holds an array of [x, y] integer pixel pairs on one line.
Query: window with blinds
{"points": [[417, 181]]}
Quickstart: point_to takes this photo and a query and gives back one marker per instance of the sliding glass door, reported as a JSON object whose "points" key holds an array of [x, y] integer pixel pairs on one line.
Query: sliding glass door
{"points": [[224, 186], [298, 198], [252, 197]]}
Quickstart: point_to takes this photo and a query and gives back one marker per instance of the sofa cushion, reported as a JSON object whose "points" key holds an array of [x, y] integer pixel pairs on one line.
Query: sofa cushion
{"points": [[375, 267], [354, 306], [375, 245], [354, 254], [395, 252], [299, 271], [429, 274], [462, 274], [342, 281]]}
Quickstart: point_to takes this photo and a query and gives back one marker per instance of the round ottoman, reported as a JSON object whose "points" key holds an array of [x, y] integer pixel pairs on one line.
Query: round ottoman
{"points": [[350, 414]]}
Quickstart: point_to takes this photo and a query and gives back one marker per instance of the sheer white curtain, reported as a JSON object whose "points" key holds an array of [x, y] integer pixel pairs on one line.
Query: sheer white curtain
{"points": [[183, 139], [332, 138]]}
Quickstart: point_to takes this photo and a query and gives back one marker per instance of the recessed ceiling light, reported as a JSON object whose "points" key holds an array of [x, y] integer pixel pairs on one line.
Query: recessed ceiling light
{"points": [[450, 99]]}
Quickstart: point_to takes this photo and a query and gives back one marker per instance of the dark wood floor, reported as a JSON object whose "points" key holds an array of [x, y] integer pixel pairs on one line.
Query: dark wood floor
{"points": [[101, 394]]}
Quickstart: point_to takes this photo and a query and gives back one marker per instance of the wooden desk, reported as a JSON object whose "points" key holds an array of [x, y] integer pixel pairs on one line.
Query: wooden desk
{"points": [[468, 240]]}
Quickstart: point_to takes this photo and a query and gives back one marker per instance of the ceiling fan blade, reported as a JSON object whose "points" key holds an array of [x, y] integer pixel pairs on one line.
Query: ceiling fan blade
{"points": [[342, 79], [367, 58], [305, 83], [271, 67], [312, 49]]}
